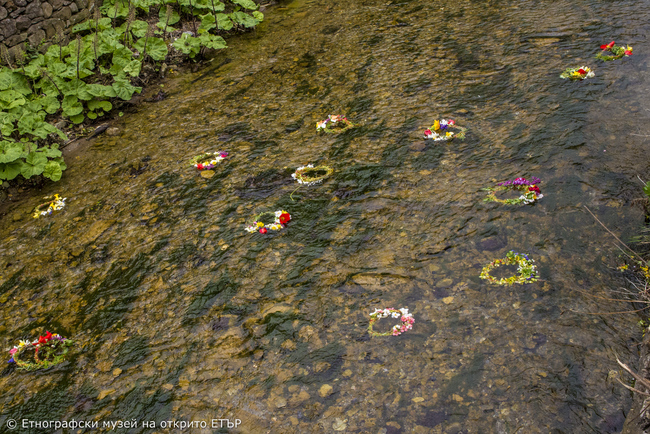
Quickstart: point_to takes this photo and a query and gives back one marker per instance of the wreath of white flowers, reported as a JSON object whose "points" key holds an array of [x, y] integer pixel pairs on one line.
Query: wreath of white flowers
{"points": [[307, 174], [208, 161], [406, 319], [334, 124]]}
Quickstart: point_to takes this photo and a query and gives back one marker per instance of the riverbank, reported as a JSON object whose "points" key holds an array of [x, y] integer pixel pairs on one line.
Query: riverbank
{"points": [[81, 80]]}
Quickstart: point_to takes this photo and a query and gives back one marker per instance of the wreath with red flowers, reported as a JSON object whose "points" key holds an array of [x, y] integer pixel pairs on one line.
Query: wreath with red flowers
{"points": [[47, 351], [581, 73], [334, 124], [529, 190], [617, 51], [208, 161], [281, 218]]}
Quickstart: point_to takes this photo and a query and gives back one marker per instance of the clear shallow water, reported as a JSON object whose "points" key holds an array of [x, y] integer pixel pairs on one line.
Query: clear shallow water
{"points": [[182, 315]]}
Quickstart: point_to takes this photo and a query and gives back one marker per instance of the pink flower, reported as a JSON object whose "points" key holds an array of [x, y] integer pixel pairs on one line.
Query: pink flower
{"points": [[451, 122], [13, 351]]}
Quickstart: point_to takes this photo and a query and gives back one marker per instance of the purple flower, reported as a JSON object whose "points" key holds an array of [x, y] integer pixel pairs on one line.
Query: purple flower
{"points": [[520, 181], [11, 360]]}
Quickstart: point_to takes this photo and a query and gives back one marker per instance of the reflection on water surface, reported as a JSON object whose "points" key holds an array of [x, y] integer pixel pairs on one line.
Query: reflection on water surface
{"points": [[182, 315]]}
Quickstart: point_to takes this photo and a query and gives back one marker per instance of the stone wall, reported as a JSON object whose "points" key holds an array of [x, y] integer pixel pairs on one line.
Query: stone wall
{"points": [[37, 23]]}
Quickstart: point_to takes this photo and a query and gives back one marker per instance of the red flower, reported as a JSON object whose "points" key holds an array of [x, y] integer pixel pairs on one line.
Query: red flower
{"points": [[608, 46], [45, 339], [263, 231], [535, 189], [452, 122], [581, 71], [199, 166], [285, 218], [427, 132], [628, 53]]}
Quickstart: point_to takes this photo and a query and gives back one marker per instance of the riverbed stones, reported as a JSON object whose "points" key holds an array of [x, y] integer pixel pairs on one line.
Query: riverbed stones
{"points": [[325, 390]]}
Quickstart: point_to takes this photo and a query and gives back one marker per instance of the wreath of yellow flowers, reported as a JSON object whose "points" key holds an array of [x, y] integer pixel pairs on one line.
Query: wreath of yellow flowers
{"points": [[526, 271], [48, 208]]}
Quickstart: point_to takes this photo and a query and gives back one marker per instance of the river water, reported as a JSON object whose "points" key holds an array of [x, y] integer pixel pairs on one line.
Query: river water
{"points": [[181, 315]]}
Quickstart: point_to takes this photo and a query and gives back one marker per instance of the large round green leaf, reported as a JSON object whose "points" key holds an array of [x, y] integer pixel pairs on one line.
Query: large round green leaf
{"points": [[224, 22], [33, 164], [244, 19], [248, 4], [10, 170], [139, 28], [52, 171], [10, 151], [156, 48], [71, 106], [173, 17], [212, 41]]}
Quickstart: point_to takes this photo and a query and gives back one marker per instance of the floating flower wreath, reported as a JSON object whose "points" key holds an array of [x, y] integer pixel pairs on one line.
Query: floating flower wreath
{"points": [[208, 161], [48, 208], [407, 321], [334, 124], [281, 220], [530, 191], [526, 270], [577, 73], [616, 50], [46, 351], [440, 130], [310, 175]]}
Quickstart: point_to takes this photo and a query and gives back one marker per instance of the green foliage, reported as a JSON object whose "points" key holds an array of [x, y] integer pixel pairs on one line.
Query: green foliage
{"points": [[646, 189], [79, 79], [187, 44]]}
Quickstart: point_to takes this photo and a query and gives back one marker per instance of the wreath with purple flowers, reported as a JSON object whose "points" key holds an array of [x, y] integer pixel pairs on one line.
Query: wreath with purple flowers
{"points": [[530, 192]]}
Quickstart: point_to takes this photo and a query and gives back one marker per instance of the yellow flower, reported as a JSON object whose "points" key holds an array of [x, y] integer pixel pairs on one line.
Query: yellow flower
{"points": [[436, 125], [623, 267], [260, 224], [629, 49]]}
